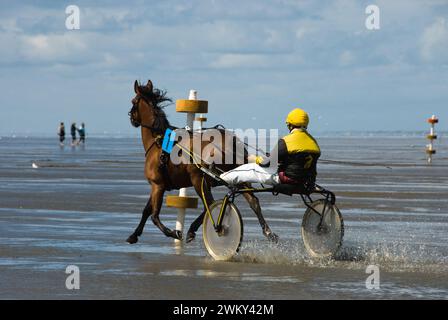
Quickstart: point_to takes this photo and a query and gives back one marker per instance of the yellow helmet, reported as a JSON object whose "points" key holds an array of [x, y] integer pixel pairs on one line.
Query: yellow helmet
{"points": [[298, 118]]}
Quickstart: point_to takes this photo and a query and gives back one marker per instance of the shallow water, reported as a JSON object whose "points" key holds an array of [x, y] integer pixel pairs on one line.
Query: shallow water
{"points": [[80, 205]]}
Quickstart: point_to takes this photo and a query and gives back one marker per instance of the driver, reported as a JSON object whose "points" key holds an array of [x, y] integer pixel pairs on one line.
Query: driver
{"points": [[297, 152]]}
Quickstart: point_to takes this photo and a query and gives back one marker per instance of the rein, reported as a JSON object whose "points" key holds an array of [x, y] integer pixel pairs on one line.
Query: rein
{"points": [[150, 147]]}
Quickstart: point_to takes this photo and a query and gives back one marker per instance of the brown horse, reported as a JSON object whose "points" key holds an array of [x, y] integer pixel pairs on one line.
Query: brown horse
{"points": [[147, 113]]}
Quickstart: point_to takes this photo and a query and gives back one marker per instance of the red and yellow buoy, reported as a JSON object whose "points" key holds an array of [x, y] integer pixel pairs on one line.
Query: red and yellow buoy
{"points": [[430, 150]]}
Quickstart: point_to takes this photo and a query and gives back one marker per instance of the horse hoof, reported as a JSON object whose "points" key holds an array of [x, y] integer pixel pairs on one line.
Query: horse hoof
{"points": [[190, 237], [177, 235], [272, 237], [132, 239]]}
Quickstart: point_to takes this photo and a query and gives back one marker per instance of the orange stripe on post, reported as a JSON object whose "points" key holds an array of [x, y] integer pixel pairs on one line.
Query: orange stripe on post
{"points": [[182, 202], [192, 106]]}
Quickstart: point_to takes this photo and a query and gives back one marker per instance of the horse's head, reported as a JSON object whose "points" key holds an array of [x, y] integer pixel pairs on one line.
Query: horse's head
{"points": [[140, 101], [147, 107]]}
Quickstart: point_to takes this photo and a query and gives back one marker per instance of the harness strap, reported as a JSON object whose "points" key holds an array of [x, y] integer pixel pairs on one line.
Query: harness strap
{"points": [[156, 141], [164, 167]]}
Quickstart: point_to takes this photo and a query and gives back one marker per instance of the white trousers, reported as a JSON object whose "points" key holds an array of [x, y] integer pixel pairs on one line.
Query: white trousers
{"points": [[251, 173]]}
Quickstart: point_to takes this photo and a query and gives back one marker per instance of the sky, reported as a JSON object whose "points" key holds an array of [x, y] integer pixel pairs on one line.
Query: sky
{"points": [[252, 60]]}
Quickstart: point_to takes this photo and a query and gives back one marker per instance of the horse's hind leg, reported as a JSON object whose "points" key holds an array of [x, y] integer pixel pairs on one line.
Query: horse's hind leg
{"points": [[156, 203], [197, 183], [133, 238], [254, 204], [194, 227]]}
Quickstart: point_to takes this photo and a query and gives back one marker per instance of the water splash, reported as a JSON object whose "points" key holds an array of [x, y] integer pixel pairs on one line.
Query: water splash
{"points": [[397, 257], [285, 252], [393, 257]]}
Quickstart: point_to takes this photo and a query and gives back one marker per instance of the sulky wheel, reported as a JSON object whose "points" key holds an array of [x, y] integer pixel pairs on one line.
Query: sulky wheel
{"points": [[223, 245], [322, 239]]}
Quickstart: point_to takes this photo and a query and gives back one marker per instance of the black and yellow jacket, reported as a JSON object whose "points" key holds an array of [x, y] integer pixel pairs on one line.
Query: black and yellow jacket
{"points": [[298, 153]]}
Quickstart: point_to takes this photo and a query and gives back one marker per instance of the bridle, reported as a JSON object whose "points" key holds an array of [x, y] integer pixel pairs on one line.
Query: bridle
{"points": [[137, 123]]}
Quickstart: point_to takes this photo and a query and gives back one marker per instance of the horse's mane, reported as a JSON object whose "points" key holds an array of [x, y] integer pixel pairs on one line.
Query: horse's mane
{"points": [[159, 100]]}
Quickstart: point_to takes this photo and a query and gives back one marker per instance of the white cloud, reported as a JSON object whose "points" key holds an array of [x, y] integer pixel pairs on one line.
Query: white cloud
{"points": [[274, 62], [240, 61], [346, 58], [434, 42], [300, 32], [52, 48], [9, 25]]}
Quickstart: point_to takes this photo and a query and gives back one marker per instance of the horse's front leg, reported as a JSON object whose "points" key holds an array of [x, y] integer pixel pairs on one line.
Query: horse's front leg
{"points": [[156, 202], [133, 238], [254, 204]]}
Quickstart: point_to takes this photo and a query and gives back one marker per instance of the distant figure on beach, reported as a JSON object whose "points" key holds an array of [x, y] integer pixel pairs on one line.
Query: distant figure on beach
{"points": [[73, 133], [82, 133], [61, 134]]}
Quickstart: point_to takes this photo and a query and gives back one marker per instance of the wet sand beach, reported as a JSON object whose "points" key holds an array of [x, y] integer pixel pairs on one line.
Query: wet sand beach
{"points": [[80, 204]]}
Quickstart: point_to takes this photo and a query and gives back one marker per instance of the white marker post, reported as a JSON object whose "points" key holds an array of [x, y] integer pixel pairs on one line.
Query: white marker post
{"points": [[183, 201], [431, 136]]}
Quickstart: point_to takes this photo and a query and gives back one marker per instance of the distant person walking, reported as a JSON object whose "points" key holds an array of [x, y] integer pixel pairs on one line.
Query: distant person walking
{"points": [[82, 133], [73, 133], [61, 134]]}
